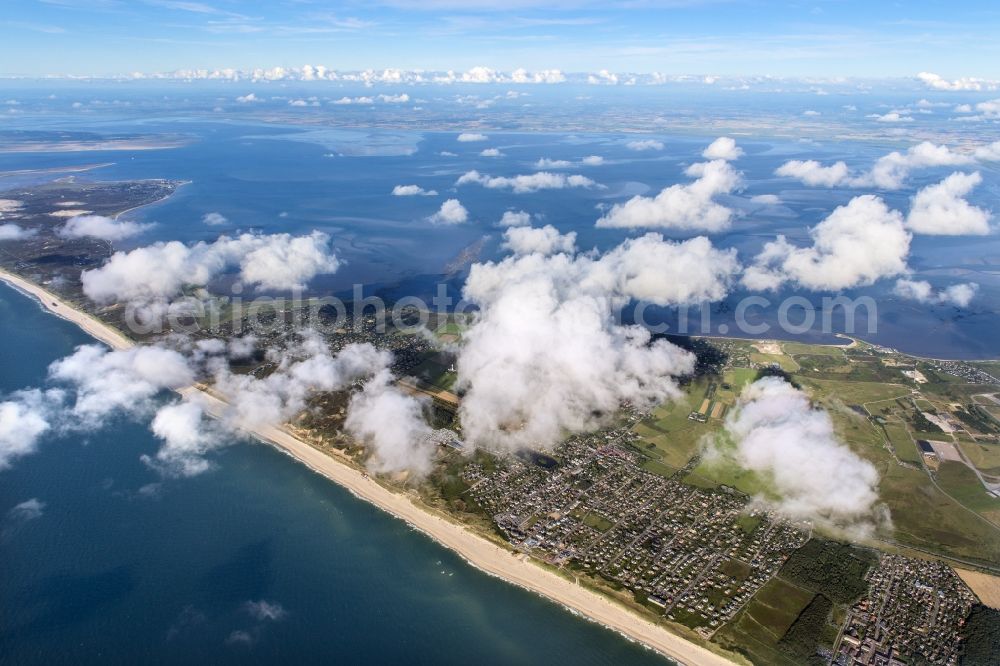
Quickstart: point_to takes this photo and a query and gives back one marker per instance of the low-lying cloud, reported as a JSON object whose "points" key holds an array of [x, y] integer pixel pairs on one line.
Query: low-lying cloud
{"points": [[101, 227], [514, 218], [775, 432], [688, 207], [723, 148], [391, 423], [96, 385], [412, 191], [525, 183], [941, 209], [921, 291], [214, 219], [855, 245], [110, 382], [889, 172], [814, 174], [451, 212], [187, 436], [937, 82], [12, 232], [160, 271], [544, 356], [542, 240], [642, 145], [24, 418]]}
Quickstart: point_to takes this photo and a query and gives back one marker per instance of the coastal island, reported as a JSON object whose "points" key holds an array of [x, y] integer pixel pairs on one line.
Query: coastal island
{"points": [[632, 526]]}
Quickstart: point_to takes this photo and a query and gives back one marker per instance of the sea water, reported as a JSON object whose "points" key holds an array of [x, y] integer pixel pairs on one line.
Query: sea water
{"points": [[281, 177]]}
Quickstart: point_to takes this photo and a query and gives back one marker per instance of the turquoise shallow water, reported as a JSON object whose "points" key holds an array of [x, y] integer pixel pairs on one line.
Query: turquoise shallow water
{"points": [[122, 567]]}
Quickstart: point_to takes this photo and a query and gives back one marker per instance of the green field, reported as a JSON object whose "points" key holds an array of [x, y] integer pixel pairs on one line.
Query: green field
{"points": [[962, 483], [735, 569], [924, 517], [811, 629], [921, 514], [786, 362], [748, 523], [823, 364], [737, 379], [450, 329], [777, 605], [598, 522], [712, 474], [796, 348], [986, 457], [668, 436], [758, 628], [857, 393], [656, 467], [902, 443], [434, 372]]}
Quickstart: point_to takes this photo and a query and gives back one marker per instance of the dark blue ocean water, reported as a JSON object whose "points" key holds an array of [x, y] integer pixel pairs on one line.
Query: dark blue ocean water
{"points": [[122, 567]]}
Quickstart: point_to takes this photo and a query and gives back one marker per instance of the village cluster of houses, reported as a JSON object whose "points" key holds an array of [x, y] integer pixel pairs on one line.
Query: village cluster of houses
{"points": [[695, 555], [913, 613]]}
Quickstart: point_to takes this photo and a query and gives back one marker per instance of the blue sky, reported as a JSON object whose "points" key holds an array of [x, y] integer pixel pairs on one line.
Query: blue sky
{"points": [[825, 38]]}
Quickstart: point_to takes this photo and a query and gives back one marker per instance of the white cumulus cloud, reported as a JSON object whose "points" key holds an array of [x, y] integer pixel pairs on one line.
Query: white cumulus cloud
{"points": [[214, 219], [412, 191], [814, 174], [101, 227], [723, 148], [287, 262], [989, 152], [889, 171], [524, 183], [160, 271], [546, 163], [545, 357], [186, 436], [641, 145], [687, 207], [543, 240], [451, 212], [855, 245], [24, 418], [778, 434], [391, 424], [109, 382], [891, 117], [941, 209], [938, 82], [959, 295], [514, 218]]}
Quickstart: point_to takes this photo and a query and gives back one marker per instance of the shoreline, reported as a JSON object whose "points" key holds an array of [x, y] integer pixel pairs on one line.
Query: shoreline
{"points": [[179, 185], [483, 555]]}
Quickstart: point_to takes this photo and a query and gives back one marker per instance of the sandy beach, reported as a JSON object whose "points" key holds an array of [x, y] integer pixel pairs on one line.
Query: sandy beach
{"points": [[480, 553]]}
